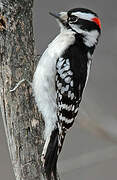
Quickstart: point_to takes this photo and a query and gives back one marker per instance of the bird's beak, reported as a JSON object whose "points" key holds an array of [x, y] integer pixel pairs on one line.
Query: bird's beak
{"points": [[62, 17]]}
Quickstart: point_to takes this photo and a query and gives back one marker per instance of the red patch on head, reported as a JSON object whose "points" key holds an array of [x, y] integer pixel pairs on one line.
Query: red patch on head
{"points": [[97, 21]]}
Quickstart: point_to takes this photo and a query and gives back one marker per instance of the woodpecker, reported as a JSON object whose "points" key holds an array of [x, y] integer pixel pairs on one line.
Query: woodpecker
{"points": [[61, 76]]}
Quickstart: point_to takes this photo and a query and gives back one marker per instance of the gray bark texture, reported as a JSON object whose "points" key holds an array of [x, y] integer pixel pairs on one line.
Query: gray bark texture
{"points": [[23, 124]]}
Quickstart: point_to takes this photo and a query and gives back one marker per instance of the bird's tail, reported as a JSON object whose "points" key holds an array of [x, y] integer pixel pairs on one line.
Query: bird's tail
{"points": [[51, 156]]}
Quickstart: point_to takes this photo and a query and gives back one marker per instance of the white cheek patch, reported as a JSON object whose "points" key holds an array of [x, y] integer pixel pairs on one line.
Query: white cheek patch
{"points": [[90, 37], [86, 16]]}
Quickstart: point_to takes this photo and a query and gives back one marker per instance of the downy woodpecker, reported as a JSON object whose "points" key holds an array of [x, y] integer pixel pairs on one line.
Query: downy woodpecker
{"points": [[61, 76]]}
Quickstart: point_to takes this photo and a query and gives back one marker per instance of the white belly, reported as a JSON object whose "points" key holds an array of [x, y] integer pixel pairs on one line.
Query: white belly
{"points": [[44, 79]]}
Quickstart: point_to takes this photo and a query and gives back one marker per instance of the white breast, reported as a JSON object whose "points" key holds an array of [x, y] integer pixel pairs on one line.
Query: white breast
{"points": [[44, 79]]}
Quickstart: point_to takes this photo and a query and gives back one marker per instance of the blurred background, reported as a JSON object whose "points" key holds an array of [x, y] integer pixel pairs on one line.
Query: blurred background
{"points": [[90, 149]]}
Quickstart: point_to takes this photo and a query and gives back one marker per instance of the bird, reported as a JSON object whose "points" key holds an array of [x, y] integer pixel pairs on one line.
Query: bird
{"points": [[61, 76]]}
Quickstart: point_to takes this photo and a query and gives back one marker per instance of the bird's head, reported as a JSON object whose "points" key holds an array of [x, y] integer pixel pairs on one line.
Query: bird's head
{"points": [[83, 21]]}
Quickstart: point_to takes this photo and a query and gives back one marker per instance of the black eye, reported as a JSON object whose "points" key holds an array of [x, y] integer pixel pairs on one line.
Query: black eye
{"points": [[73, 19]]}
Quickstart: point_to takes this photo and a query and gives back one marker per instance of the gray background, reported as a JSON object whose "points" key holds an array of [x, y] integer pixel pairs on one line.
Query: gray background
{"points": [[90, 149]]}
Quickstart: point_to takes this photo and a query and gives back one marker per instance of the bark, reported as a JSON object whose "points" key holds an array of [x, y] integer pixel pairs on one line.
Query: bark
{"points": [[22, 122]]}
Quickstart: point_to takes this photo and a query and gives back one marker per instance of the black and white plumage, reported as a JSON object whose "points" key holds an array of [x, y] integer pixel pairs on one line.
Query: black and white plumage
{"points": [[61, 76]]}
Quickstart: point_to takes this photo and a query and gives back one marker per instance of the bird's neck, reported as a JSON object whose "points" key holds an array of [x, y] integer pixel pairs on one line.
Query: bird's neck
{"points": [[79, 40], [62, 42]]}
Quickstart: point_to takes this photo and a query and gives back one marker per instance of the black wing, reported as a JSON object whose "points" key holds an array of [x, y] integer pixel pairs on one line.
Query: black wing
{"points": [[71, 73]]}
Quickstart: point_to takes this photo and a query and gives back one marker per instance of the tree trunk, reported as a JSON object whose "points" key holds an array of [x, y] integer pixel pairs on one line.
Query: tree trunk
{"points": [[22, 122]]}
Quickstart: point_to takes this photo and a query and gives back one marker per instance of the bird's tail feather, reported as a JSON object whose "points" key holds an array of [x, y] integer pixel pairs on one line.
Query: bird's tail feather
{"points": [[51, 156]]}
